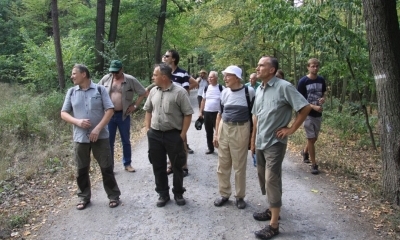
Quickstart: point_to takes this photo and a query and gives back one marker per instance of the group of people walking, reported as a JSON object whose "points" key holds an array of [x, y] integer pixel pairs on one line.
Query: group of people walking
{"points": [[237, 118]]}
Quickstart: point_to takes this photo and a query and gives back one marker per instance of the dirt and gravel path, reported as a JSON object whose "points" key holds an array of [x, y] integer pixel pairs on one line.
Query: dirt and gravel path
{"points": [[311, 206]]}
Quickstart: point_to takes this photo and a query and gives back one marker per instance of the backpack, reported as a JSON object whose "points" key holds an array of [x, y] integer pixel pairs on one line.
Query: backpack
{"points": [[250, 107], [219, 86]]}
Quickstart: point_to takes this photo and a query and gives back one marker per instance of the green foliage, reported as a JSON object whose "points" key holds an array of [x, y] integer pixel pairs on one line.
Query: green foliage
{"points": [[40, 70], [19, 220]]}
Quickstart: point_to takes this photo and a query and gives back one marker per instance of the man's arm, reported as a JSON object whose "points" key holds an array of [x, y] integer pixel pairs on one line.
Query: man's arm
{"points": [[134, 106], [301, 116], [216, 137], [108, 113], [253, 135], [185, 125], [147, 120], [83, 123], [192, 83], [202, 104]]}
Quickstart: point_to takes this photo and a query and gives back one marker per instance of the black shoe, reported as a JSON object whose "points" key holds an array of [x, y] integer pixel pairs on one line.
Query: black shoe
{"points": [[240, 203], [314, 169], [190, 151], [267, 232], [263, 216], [306, 156], [210, 152], [179, 199], [220, 201], [185, 172], [162, 200]]}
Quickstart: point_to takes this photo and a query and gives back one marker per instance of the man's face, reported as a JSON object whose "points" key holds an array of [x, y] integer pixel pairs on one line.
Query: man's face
{"points": [[203, 75], [313, 68], [212, 79], [167, 58], [264, 69], [253, 79], [230, 79], [117, 74], [77, 77], [157, 77]]}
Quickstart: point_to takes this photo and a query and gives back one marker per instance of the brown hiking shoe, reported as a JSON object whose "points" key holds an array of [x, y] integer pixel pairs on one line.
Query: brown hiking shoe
{"points": [[267, 232], [129, 168]]}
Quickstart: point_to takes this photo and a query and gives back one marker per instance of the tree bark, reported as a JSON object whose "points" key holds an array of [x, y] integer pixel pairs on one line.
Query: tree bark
{"points": [[57, 44], [99, 45], [112, 36], [160, 30], [383, 37]]}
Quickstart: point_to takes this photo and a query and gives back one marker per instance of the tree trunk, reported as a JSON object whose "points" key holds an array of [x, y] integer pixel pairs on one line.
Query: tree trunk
{"points": [[99, 45], [112, 36], [160, 30], [57, 45], [383, 37]]}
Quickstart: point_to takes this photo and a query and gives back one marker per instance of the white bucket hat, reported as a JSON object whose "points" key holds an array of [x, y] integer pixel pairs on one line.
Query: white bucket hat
{"points": [[233, 70]]}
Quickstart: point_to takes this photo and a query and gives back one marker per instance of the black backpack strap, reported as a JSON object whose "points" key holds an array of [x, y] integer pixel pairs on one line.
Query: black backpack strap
{"points": [[205, 89], [249, 104], [220, 87]]}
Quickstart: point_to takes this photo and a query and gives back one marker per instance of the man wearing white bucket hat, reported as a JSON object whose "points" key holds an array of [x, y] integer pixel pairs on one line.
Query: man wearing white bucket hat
{"points": [[232, 136]]}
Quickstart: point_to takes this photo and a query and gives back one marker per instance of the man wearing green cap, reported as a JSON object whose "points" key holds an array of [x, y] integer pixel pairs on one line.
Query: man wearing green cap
{"points": [[122, 87]]}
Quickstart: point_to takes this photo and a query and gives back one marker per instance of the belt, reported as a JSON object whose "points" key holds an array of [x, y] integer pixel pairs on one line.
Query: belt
{"points": [[167, 131], [120, 111], [236, 123]]}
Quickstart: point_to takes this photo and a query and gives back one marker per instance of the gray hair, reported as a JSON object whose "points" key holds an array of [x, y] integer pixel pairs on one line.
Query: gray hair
{"points": [[215, 73], [82, 68], [165, 69]]}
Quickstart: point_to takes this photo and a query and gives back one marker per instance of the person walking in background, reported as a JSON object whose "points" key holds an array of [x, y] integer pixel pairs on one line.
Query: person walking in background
{"points": [[272, 113], [168, 117], [202, 82], [232, 136], [253, 82], [91, 109], [122, 87], [280, 74], [313, 88], [210, 106]]}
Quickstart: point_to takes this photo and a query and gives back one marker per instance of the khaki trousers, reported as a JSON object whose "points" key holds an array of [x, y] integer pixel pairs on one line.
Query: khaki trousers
{"points": [[232, 152]]}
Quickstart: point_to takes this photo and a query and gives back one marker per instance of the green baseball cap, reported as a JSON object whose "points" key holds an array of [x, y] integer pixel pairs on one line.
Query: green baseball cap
{"points": [[115, 66]]}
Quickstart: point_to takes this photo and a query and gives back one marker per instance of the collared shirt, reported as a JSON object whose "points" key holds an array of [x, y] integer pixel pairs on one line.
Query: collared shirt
{"points": [[255, 85], [87, 104], [273, 107], [234, 107], [202, 84], [168, 107], [129, 86]]}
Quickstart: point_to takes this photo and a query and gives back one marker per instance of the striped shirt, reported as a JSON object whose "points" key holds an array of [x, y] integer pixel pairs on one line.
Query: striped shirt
{"points": [[181, 78]]}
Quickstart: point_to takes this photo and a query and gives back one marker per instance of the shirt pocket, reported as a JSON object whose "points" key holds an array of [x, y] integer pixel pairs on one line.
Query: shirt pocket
{"points": [[96, 103], [129, 95], [169, 107]]}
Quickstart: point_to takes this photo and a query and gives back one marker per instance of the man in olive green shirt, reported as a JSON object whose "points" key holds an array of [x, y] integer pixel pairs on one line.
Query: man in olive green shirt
{"points": [[167, 120]]}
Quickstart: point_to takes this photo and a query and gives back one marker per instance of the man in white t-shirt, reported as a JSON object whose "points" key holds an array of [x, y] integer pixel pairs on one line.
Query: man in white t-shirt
{"points": [[202, 82], [209, 107]]}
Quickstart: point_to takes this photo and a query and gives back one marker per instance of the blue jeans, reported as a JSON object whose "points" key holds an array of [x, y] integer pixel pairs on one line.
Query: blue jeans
{"points": [[124, 128], [254, 159]]}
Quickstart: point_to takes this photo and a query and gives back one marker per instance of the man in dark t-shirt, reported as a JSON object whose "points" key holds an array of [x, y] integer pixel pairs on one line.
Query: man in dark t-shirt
{"points": [[313, 88]]}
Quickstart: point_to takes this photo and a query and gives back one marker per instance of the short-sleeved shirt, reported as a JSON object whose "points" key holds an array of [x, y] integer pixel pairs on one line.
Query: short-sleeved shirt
{"points": [[130, 86], [234, 107], [87, 104], [168, 107], [202, 84], [213, 98], [254, 87], [273, 107], [312, 90], [181, 78]]}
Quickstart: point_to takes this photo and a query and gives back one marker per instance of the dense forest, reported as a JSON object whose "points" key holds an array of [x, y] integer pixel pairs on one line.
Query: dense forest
{"points": [[355, 40]]}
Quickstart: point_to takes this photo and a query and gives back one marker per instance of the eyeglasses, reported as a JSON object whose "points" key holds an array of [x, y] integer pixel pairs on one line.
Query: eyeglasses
{"points": [[166, 56]]}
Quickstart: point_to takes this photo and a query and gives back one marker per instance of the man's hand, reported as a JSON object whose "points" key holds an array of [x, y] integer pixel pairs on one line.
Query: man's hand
{"points": [[131, 109], [83, 123], [321, 101], [94, 135], [317, 108], [215, 141], [283, 132]]}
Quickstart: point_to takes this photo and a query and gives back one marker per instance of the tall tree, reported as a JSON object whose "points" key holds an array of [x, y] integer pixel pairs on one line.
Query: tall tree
{"points": [[160, 29], [383, 35], [57, 44], [114, 21], [99, 44]]}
